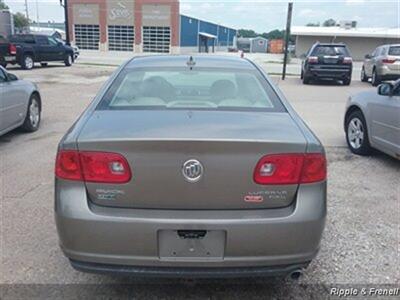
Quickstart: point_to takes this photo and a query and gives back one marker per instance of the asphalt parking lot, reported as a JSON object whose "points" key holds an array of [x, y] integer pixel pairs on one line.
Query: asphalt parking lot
{"points": [[360, 244]]}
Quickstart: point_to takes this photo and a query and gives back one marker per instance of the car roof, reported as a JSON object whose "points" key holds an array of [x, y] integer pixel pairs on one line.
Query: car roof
{"points": [[205, 61], [331, 44]]}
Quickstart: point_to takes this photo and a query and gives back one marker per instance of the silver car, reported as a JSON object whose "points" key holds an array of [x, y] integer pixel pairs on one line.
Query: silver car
{"points": [[372, 120], [382, 64], [20, 103], [190, 167]]}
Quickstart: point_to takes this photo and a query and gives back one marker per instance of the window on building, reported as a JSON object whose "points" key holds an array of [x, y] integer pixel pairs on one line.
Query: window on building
{"points": [[156, 39], [87, 36], [121, 38]]}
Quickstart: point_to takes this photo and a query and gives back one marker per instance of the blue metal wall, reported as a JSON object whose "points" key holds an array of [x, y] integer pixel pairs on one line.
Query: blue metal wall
{"points": [[223, 34], [190, 28], [189, 34]]}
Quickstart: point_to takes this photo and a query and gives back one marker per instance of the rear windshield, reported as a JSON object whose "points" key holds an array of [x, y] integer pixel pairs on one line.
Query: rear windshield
{"points": [[181, 88], [394, 51], [330, 51]]}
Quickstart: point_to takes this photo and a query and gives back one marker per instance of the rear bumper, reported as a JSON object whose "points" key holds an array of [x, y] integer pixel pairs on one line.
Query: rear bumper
{"points": [[9, 59], [186, 272], [387, 74], [112, 237], [339, 73]]}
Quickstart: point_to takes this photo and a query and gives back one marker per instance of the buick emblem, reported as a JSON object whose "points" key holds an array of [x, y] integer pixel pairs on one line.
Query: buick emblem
{"points": [[192, 170]]}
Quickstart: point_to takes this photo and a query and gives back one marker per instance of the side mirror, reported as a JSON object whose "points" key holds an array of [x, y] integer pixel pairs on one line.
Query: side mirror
{"points": [[385, 89], [368, 56], [12, 77]]}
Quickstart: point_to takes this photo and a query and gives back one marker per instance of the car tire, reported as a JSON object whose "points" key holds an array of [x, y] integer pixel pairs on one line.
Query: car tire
{"points": [[33, 115], [27, 62], [68, 60], [376, 80], [347, 81], [306, 79], [44, 64], [364, 77], [357, 134]]}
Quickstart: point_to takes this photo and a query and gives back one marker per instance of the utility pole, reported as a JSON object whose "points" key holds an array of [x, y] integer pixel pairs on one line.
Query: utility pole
{"points": [[288, 24], [67, 40], [26, 9], [37, 13]]}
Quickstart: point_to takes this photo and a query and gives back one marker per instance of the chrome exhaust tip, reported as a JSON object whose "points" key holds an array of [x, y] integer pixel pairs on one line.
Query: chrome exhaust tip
{"points": [[296, 274]]}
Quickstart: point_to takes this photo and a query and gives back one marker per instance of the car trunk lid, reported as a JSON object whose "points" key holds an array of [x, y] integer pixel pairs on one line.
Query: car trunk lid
{"points": [[156, 145]]}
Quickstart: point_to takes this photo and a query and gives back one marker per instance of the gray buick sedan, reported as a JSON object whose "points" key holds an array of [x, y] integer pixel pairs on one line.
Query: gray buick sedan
{"points": [[372, 120], [20, 104], [190, 167]]}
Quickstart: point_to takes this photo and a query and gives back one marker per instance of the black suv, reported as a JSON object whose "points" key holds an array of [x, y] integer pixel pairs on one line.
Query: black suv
{"points": [[32, 48], [327, 61]]}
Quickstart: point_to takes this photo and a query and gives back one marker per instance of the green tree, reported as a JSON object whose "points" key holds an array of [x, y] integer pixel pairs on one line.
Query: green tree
{"points": [[329, 23], [247, 33], [20, 21], [3, 5], [276, 34], [313, 24]]}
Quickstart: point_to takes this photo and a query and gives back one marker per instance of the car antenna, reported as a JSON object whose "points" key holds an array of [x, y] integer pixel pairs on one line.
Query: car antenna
{"points": [[191, 63]]}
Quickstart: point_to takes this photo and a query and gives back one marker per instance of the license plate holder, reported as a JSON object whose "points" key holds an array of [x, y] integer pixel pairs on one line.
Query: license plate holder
{"points": [[175, 246], [9, 58]]}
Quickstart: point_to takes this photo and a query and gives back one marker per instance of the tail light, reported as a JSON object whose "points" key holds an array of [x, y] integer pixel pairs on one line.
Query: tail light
{"points": [[12, 49], [290, 169], [347, 60], [388, 61], [312, 59], [88, 166]]}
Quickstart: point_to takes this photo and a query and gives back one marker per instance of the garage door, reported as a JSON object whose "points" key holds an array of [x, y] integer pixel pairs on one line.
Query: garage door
{"points": [[87, 36], [121, 38], [156, 39]]}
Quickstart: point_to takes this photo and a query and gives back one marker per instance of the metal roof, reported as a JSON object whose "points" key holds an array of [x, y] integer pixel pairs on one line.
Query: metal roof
{"points": [[352, 32], [208, 35]]}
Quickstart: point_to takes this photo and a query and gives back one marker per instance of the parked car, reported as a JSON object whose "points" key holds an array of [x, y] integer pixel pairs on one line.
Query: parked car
{"points": [[372, 120], [190, 167], [327, 61], [40, 48], [20, 103], [8, 52], [382, 64]]}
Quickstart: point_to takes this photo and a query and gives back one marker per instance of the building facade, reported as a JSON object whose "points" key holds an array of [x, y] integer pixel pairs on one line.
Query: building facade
{"points": [[360, 41], [125, 25], [202, 36], [142, 26]]}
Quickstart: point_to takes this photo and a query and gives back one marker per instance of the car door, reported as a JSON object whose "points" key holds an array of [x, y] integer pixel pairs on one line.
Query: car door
{"points": [[43, 49], [57, 49], [385, 121], [13, 102], [369, 62]]}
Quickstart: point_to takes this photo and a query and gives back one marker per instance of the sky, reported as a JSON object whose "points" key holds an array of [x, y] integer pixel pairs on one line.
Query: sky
{"points": [[259, 15]]}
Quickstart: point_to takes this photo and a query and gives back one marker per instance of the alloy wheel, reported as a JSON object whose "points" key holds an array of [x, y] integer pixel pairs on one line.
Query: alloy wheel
{"points": [[34, 113], [29, 62], [355, 133]]}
